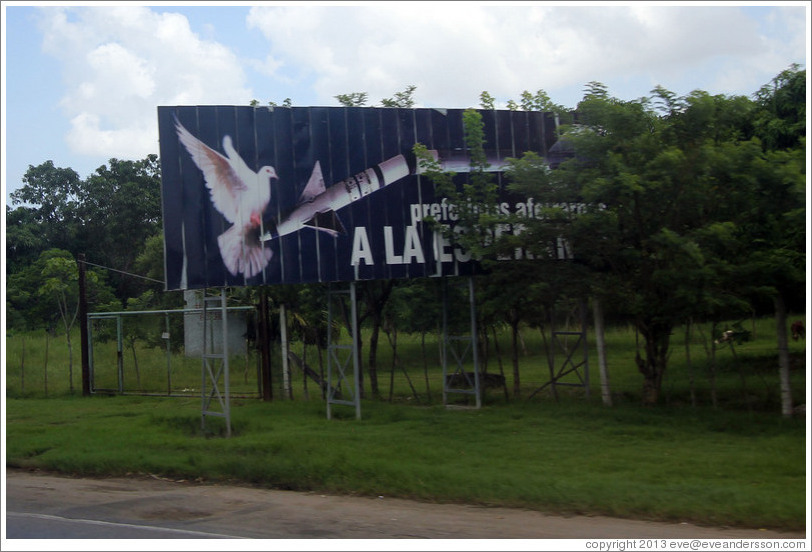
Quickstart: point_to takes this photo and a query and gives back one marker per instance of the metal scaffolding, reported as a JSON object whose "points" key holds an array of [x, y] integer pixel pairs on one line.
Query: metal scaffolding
{"points": [[563, 353], [215, 369], [460, 347], [347, 388]]}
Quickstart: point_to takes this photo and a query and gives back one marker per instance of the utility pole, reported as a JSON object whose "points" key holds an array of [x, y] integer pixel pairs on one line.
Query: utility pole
{"points": [[83, 326]]}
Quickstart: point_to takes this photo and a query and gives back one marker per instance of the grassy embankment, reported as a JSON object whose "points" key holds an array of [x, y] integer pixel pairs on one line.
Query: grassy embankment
{"points": [[739, 464]]}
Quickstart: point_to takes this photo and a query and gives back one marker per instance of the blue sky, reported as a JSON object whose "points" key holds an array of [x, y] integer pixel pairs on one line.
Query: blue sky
{"points": [[81, 83]]}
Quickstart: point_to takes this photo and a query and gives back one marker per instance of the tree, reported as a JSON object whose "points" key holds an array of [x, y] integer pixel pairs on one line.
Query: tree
{"points": [[540, 101], [374, 295], [287, 102], [473, 194], [478, 229], [781, 119], [486, 101], [649, 190], [662, 187], [353, 99], [59, 283], [24, 238], [108, 216], [776, 229], [49, 198], [403, 99], [119, 207]]}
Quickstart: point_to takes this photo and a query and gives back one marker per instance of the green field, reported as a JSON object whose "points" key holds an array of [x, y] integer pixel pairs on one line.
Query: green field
{"points": [[739, 463]]}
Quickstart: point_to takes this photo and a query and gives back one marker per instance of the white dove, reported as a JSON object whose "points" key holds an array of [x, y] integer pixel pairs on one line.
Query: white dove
{"points": [[241, 195]]}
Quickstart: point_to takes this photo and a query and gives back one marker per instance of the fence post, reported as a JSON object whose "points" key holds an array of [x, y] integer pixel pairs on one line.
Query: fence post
{"points": [[83, 326]]}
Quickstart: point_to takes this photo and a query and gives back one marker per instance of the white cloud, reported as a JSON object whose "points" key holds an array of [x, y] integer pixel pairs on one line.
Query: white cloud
{"points": [[120, 63], [453, 51]]}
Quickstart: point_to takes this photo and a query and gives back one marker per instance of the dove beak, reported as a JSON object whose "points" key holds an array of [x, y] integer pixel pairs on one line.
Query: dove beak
{"points": [[255, 220]]}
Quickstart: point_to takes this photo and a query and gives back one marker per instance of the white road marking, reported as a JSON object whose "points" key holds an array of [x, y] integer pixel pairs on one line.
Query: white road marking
{"points": [[129, 525]]}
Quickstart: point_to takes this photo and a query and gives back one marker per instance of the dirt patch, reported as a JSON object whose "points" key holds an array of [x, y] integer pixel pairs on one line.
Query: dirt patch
{"points": [[270, 514]]}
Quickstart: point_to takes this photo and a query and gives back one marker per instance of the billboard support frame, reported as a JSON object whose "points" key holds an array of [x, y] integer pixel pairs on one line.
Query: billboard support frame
{"points": [[567, 362], [335, 365], [211, 369], [468, 343]]}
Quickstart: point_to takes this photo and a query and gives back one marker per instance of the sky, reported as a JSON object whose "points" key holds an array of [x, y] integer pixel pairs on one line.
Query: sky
{"points": [[82, 81]]}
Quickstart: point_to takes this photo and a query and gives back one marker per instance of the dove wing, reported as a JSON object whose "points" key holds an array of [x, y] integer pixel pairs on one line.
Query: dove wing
{"points": [[223, 182], [248, 176]]}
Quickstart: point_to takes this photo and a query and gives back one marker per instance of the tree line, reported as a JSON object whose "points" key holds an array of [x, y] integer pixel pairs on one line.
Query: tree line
{"points": [[694, 211]]}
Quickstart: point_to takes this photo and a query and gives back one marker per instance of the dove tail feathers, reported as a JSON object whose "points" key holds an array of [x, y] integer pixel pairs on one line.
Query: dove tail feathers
{"points": [[241, 255]]}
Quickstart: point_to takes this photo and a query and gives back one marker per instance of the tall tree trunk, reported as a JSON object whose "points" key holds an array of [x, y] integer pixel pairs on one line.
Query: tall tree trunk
{"points": [[394, 365], [656, 336], [783, 355], [600, 342], [377, 296], [321, 371], [283, 336], [425, 365], [499, 358], [514, 327], [70, 362], [548, 346], [688, 362], [373, 358], [22, 371], [45, 370], [714, 396], [304, 375], [135, 363]]}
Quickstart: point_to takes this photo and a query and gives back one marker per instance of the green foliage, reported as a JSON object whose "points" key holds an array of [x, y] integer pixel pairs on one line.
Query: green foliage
{"points": [[676, 209], [781, 120], [108, 217], [473, 195], [486, 101], [403, 99], [47, 216], [353, 99], [663, 205], [45, 293], [287, 102]]}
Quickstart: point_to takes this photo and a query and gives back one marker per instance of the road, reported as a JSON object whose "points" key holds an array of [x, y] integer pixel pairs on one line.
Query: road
{"points": [[45, 506]]}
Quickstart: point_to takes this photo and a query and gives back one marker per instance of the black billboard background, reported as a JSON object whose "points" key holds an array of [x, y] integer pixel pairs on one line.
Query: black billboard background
{"points": [[345, 141]]}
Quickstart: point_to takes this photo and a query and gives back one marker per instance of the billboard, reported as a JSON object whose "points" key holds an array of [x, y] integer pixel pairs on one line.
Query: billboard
{"points": [[261, 195]]}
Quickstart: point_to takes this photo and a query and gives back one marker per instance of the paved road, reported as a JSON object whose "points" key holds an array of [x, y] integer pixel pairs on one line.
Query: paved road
{"points": [[48, 507]]}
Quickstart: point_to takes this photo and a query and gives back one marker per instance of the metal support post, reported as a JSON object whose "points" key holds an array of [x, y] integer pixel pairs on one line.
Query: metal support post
{"points": [[90, 367], [83, 327], [215, 364], [569, 364], [338, 365], [167, 337], [460, 381]]}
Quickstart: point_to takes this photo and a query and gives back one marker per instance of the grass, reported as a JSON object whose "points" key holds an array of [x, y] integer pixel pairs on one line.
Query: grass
{"points": [[701, 466], [739, 464]]}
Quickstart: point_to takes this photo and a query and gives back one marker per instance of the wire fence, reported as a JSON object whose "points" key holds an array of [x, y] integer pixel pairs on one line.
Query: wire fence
{"points": [[158, 353]]}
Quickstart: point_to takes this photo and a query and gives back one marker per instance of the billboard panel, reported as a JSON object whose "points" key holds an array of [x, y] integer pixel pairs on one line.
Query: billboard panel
{"points": [[259, 195]]}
